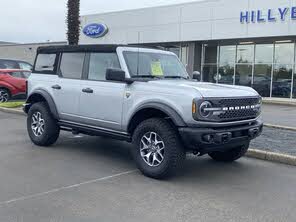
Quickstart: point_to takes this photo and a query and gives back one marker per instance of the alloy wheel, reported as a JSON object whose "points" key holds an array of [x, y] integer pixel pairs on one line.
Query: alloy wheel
{"points": [[3, 96], [152, 149], [37, 124]]}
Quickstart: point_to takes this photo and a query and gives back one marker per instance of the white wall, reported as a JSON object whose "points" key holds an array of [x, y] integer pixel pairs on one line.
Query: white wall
{"points": [[206, 20], [24, 52]]}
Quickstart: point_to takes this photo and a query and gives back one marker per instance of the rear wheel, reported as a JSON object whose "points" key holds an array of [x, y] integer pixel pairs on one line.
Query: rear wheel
{"points": [[157, 150], [42, 127], [230, 155], [4, 95]]}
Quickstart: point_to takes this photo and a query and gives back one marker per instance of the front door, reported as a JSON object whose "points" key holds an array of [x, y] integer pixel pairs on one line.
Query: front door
{"points": [[101, 101]]}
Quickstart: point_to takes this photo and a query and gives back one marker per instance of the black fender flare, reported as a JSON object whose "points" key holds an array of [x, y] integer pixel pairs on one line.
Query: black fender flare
{"points": [[48, 98], [169, 111]]}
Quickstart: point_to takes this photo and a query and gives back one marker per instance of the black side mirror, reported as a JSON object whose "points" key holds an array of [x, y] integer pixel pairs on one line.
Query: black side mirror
{"points": [[115, 75], [196, 75]]}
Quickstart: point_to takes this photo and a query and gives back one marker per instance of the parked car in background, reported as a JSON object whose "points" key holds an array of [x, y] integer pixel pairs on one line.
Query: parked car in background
{"points": [[13, 84], [15, 64]]}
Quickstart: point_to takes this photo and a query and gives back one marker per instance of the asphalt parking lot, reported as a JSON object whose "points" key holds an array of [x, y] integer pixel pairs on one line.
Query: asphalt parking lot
{"points": [[95, 179]]}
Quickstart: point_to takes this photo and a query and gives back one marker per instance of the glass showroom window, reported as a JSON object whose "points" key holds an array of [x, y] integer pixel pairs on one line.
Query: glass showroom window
{"points": [[209, 68], [283, 70], [263, 69], [226, 64], [244, 67], [294, 83]]}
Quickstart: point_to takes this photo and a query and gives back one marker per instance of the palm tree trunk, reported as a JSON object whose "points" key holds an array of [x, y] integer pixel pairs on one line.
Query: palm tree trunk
{"points": [[73, 21]]}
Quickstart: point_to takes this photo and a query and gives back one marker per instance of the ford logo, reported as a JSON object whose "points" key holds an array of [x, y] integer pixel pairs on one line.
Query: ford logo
{"points": [[95, 30]]}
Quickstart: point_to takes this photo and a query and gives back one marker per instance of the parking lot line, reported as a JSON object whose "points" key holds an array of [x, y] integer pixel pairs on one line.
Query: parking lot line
{"points": [[65, 188]]}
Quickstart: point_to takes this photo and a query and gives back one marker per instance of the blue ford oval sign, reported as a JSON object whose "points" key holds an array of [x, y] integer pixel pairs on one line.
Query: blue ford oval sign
{"points": [[95, 30]]}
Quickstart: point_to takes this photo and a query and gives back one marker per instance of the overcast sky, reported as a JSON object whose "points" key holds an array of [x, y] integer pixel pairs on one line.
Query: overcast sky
{"points": [[27, 21]]}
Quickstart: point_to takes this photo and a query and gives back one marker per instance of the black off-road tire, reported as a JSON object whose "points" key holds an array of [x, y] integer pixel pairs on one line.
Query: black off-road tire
{"points": [[230, 155], [174, 153], [51, 129]]}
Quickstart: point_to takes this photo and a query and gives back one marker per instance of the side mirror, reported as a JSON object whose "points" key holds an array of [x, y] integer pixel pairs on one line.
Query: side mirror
{"points": [[117, 75], [196, 75]]}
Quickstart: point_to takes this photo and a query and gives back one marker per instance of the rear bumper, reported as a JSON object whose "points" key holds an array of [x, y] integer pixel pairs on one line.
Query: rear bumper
{"points": [[205, 140]]}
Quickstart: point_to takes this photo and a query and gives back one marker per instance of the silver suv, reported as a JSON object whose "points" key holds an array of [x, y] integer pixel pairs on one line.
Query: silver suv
{"points": [[143, 96]]}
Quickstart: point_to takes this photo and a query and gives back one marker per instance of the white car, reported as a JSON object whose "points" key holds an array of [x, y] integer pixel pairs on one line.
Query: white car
{"points": [[143, 96]]}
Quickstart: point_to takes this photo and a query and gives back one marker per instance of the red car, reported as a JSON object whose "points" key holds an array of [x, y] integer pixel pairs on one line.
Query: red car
{"points": [[13, 84]]}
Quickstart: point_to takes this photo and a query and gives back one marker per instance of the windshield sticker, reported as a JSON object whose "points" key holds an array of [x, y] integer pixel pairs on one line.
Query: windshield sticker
{"points": [[156, 69]]}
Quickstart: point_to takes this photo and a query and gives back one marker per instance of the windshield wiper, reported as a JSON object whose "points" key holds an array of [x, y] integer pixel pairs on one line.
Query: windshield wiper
{"points": [[146, 76], [175, 77]]}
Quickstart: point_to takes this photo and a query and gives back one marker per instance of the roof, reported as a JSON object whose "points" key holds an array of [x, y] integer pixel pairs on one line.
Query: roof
{"points": [[14, 60], [83, 48], [13, 70], [77, 48], [4, 43]]}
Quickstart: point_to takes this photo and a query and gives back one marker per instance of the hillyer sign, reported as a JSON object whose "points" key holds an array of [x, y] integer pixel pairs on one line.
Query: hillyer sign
{"points": [[270, 15], [95, 30]]}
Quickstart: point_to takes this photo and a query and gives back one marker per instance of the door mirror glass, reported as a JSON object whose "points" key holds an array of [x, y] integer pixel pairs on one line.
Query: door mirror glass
{"points": [[196, 75], [115, 75]]}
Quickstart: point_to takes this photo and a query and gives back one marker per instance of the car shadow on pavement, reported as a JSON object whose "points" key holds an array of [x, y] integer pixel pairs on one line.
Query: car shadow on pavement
{"points": [[196, 169]]}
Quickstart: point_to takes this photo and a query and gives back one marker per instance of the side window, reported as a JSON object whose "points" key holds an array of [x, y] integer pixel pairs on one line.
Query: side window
{"points": [[4, 64], [45, 63], [25, 66], [72, 65], [17, 74], [99, 63]]}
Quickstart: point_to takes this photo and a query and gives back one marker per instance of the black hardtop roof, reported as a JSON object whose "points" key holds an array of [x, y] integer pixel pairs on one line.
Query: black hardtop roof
{"points": [[82, 48]]}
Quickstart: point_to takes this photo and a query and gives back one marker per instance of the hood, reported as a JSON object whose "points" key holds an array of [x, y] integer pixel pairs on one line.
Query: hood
{"points": [[210, 89]]}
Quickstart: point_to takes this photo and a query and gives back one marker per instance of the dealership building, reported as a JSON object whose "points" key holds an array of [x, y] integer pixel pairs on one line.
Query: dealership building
{"points": [[245, 42]]}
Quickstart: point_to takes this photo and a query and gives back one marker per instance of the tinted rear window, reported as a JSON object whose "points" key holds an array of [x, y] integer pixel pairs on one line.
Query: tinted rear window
{"points": [[46, 63]]}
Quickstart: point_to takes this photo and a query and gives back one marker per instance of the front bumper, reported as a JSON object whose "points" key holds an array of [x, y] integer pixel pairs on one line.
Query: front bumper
{"points": [[205, 140]]}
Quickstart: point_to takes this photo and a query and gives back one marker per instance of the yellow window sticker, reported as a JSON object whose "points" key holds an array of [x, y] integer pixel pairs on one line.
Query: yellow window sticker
{"points": [[156, 69]]}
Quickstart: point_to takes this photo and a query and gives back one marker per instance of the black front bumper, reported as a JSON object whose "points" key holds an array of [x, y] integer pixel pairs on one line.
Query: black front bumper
{"points": [[205, 140]]}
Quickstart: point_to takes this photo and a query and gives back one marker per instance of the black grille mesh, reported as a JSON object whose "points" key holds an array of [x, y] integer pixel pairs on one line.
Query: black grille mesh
{"points": [[241, 113]]}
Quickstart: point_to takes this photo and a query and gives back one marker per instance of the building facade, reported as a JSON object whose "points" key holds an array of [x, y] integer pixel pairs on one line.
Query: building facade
{"points": [[24, 52], [246, 42]]}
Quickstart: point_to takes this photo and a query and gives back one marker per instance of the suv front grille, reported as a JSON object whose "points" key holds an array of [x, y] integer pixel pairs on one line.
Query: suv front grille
{"points": [[239, 102], [231, 109], [242, 108]]}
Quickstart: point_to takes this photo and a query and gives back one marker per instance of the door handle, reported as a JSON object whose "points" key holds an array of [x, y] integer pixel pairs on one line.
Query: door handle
{"points": [[87, 90], [58, 87]]}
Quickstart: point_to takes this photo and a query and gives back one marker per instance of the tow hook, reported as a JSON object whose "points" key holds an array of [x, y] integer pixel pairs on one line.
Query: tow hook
{"points": [[222, 137], [254, 132]]}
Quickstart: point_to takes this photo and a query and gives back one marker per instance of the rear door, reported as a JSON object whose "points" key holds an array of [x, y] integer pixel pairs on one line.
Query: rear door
{"points": [[18, 81], [66, 91], [101, 101]]}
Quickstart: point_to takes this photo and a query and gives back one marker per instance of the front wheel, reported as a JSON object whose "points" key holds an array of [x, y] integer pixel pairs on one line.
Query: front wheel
{"points": [[230, 155], [42, 127], [157, 150]]}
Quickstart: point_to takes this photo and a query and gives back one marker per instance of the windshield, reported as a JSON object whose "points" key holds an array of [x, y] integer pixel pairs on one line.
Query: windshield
{"points": [[149, 64]]}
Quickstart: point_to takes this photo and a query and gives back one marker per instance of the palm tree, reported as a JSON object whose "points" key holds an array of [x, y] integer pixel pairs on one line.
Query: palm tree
{"points": [[73, 21]]}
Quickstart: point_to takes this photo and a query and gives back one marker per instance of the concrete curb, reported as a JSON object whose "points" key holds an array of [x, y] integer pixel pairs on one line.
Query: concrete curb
{"points": [[280, 127], [12, 110], [271, 156], [276, 102]]}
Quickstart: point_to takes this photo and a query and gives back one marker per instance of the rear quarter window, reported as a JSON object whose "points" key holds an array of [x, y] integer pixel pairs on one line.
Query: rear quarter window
{"points": [[46, 63]]}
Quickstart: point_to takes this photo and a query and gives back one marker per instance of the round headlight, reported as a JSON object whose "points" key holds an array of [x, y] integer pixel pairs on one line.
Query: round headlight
{"points": [[203, 109]]}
